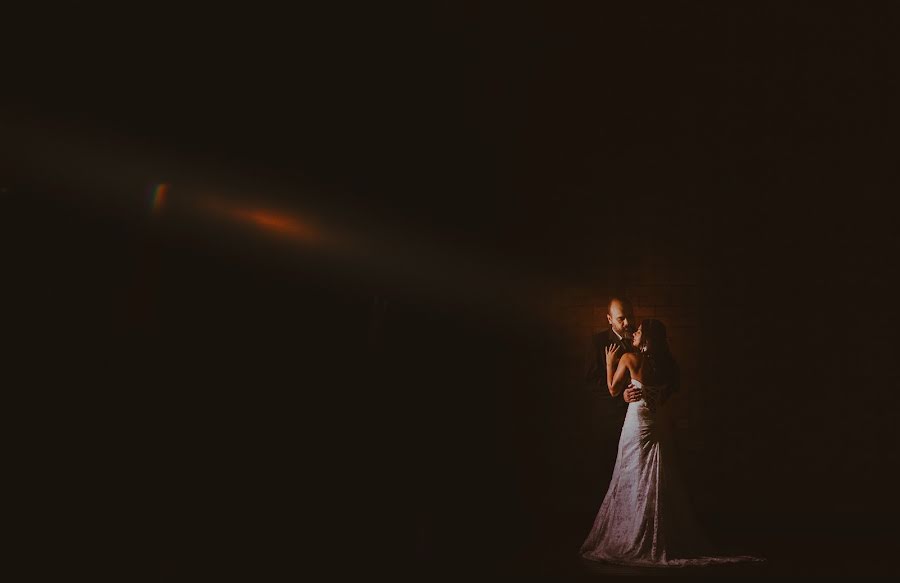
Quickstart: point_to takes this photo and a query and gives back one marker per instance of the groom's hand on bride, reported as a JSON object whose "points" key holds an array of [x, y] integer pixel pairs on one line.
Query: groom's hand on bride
{"points": [[631, 393]]}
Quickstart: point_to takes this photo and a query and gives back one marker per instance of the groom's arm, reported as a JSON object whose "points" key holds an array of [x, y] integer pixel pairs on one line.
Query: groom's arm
{"points": [[595, 367], [673, 385]]}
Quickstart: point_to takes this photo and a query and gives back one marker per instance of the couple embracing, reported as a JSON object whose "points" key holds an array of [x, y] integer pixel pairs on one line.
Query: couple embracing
{"points": [[646, 517]]}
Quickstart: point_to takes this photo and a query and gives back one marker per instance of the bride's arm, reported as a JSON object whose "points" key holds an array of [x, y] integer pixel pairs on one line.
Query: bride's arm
{"points": [[619, 379]]}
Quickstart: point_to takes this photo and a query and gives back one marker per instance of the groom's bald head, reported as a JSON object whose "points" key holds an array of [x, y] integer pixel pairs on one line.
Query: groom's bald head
{"points": [[620, 315]]}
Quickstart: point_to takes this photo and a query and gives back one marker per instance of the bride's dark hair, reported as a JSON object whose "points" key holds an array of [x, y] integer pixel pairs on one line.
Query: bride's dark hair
{"points": [[662, 367]]}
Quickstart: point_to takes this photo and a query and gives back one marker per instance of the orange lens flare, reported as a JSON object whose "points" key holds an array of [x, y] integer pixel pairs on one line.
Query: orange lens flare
{"points": [[277, 223], [159, 197]]}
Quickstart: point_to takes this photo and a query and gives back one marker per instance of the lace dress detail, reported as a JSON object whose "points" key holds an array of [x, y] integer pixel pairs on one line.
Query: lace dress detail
{"points": [[646, 518], [651, 396]]}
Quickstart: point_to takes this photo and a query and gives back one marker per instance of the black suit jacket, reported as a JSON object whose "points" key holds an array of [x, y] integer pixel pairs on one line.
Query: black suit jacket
{"points": [[595, 363]]}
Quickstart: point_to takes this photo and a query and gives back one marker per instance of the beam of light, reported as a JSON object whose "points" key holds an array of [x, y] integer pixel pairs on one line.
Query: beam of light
{"points": [[279, 223], [276, 223], [381, 252], [158, 197], [416, 268]]}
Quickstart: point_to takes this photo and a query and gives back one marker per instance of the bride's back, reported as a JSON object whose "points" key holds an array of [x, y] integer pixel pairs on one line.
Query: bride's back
{"points": [[658, 371]]}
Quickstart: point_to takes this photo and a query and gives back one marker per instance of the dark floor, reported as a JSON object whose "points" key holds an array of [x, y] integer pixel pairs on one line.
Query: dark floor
{"points": [[268, 540], [809, 554]]}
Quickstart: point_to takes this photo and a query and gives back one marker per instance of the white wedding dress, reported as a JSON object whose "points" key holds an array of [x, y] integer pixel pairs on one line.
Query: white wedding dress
{"points": [[646, 518]]}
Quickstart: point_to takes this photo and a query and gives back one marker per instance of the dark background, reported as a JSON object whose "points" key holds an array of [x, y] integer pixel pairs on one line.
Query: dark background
{"points": [[249, 407]]}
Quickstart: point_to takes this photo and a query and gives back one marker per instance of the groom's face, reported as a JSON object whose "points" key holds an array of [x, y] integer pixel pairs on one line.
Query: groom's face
{"points": [[620, 318]]}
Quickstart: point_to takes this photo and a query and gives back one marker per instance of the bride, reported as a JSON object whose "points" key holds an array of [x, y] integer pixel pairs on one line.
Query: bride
{"points": [[646, 518]]}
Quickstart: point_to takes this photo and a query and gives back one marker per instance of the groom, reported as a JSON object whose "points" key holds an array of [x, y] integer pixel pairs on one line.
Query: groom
{"points": [[620, 315]]}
